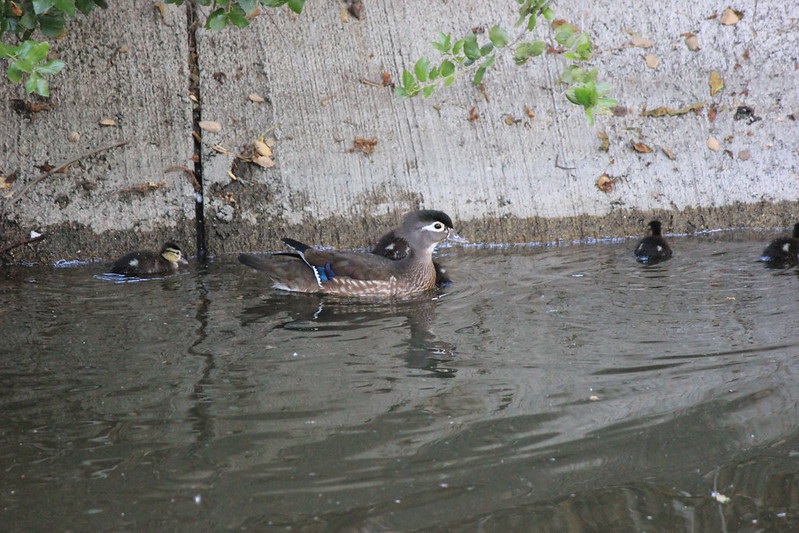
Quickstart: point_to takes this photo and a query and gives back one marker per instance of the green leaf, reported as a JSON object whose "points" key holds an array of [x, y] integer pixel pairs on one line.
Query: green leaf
{"points": [[422, 69], [447, 68], [217, 20], [65, 6], [498, 36], [408, 81], [248, 6], [434, 73], [401, 91], [470, 47], [478, 76], [23, 65], [449, 81], [486, 49], [6, 50], [37, 52], [565, 35], [14, 74], [457, 48], [429, 90], [296, 5], [237, 17], [548, 13], [52, 25], [443, 43], [42, 6], [86, 6], [51, 67], [527, 50], [531, 22], [28, 20], [42, 86]]}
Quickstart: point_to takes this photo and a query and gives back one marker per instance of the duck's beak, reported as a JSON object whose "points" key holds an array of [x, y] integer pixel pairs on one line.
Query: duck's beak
{"points": [[454, 237], [183, 260]]}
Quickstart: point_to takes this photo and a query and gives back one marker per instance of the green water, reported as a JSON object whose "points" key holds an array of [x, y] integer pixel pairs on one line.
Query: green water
{"points": [[549, 389]]}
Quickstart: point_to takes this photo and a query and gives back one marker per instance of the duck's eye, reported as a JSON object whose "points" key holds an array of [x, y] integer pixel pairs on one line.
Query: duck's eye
{"points": [[438, 226]]}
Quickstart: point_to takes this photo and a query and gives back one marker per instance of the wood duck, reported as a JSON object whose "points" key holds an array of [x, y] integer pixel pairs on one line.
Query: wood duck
{"points": [[396, 248], [783, 251], [653, 247], [362, 274], [146, 262]]}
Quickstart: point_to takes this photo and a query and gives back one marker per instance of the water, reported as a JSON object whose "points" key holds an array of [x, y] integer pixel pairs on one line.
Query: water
{"points": [[550, 389]]}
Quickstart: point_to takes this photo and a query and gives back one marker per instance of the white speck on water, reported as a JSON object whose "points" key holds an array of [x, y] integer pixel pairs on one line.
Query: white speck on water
{"points": [[781, 515], [198, 499]]}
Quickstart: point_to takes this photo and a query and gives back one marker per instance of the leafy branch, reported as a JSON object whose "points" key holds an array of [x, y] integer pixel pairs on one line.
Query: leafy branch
{"points": [[238, 12], [468, 55]]}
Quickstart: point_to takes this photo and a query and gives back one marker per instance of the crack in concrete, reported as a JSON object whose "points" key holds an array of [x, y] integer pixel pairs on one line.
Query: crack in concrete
{"points": [[192, 22]]}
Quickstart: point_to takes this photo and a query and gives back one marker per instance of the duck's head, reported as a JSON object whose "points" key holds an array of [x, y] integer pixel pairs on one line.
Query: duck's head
{"points": [[426, 228], [172, 253], [653, 229]]}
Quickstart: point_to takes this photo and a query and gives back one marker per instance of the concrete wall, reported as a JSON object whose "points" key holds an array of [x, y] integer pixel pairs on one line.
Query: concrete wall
{"points": [[534, 180]]}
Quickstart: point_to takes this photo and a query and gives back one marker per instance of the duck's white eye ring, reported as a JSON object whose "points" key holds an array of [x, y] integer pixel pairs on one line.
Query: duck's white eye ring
{"points": [[438, 226]]}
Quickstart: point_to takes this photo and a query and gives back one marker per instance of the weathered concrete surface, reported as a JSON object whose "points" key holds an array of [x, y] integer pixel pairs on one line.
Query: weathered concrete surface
{"points": [[531, 181], [504, 183], [129, 65]]}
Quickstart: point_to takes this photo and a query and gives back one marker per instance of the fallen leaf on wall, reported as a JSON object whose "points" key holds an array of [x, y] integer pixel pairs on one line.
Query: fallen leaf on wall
{"points": [[668, 153], [668, 111], [256, 98], [744, 155], [210, 126], [692, 42], [364, 146], [652, 61], [713, 144], [641, 148], [604, 141], [107, 122], [605, 183], [262, 148], [641, 42], [263, 161], [715, 82], [731, 17]]}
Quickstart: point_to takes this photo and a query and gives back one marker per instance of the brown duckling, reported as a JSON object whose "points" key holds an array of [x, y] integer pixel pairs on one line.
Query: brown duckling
{"points": [[783, 251], [653, 247], [146, 262]]}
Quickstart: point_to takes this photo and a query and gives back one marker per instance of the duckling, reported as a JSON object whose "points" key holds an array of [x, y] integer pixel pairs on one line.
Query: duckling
{"points": [[653, 247], [146, 262], [783, 251], [395, 248]]}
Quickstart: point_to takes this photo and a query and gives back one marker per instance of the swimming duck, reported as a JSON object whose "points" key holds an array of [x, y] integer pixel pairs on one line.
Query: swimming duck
{"points": [[653, 247], [396, 248], [146, 262], [311, 270], [783, 251]]}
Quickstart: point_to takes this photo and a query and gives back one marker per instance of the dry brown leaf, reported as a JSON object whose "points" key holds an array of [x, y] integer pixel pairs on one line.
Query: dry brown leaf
{"points": [[364, 146], [604, 145], [641, 148], [692, 43], [713, 144], [668, 111], [529, 112], [605, 183], [271, 142], [4, 184], [652, 61], [641, 42], [263, 161], [668, 153], [715, 82], [107, 122], [744, 155], [73, 137], [232, 175], [256, 98], [194, 99], [210, 126], [263, 149], [730, 17]]}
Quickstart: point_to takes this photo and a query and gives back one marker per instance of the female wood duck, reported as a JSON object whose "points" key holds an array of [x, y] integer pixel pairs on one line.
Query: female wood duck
{"points": [[145, 262], [653, 247], [396, 248], [783, 251], [362, 274]]}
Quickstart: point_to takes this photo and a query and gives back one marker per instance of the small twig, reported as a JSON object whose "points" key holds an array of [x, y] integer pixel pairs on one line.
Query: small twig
{"points": [[14, 199], [22, 243]]}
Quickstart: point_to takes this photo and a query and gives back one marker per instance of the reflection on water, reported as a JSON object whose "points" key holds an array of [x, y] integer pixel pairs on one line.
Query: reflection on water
{"points": [[570, 388]]}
